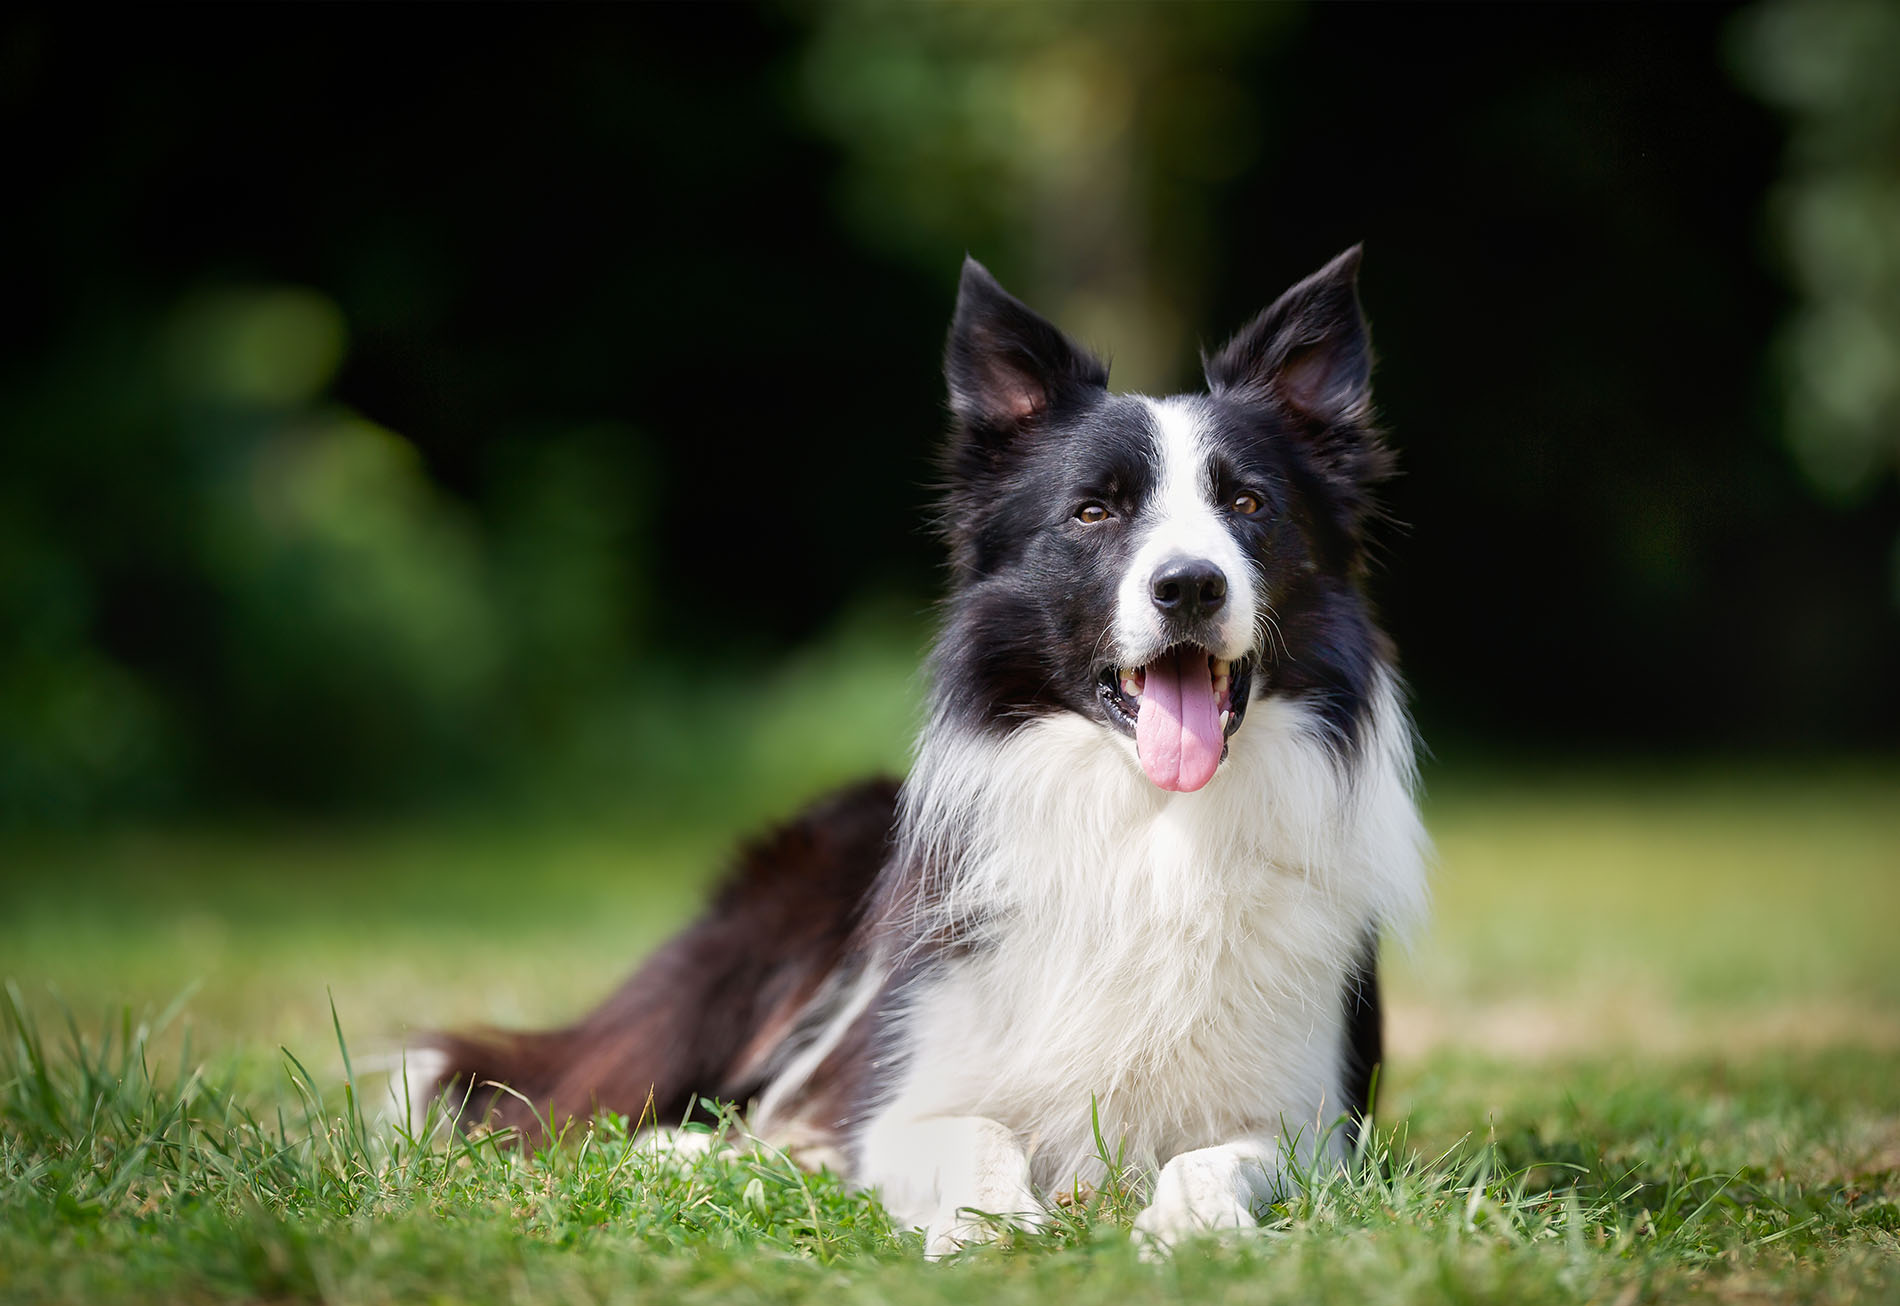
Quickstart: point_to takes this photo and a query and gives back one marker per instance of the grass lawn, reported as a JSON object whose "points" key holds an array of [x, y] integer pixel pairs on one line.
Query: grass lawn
{"points": [[1648, 1049]]}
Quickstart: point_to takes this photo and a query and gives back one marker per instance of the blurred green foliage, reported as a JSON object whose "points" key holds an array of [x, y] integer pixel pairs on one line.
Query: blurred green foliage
{"points": [[557, 423], [1085, 141], [313, 615], [1831, 66]]}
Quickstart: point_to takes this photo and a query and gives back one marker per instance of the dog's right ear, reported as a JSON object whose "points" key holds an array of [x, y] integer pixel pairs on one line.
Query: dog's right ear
{"points": [[1007, 366]]}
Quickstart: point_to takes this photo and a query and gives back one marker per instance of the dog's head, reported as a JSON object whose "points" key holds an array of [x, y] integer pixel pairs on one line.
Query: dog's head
{"points": [[1156, 565]]}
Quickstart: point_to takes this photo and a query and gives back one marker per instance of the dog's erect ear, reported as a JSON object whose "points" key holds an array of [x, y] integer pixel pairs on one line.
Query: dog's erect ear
{"points": [[1006, 365], [1310, 351]]}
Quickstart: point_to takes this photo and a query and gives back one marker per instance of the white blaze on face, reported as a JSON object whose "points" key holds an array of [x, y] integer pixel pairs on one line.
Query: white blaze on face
{"points": [[1182, 519]]}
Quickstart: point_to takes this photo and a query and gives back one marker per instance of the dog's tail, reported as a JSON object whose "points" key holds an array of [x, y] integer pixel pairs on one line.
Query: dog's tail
{"points": [[704, 1016]]}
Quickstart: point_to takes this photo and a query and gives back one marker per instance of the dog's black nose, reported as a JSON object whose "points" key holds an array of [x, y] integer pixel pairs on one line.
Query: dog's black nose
{"points": [[1186, 589]]}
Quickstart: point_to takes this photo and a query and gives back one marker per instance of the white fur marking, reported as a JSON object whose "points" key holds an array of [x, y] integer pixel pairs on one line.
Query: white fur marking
{"points": [[851, 998], [1178, 959], [1181, 519]]}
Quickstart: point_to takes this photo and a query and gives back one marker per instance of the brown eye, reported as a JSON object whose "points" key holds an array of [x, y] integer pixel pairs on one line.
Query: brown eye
{"points": [[1090, 513], [1246, 504]]}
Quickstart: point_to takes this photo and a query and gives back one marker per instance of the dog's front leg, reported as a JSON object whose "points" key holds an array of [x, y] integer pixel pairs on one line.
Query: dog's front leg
{"points": [[948, 1173], [1208, 1190]]}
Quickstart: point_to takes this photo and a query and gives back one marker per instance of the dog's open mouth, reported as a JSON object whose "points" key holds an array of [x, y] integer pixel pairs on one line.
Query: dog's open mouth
{"points": [[1181, 709]]}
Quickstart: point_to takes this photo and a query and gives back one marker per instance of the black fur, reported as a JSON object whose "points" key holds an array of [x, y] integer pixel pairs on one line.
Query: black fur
{"points": [[1365, 1036]]}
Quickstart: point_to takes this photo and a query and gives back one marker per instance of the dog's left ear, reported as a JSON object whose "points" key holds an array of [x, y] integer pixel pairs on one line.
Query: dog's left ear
{"points": [[1309, 353]]}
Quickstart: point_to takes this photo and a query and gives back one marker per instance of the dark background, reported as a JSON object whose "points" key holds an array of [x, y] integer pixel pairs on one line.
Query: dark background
{"points": [[404, 405]]}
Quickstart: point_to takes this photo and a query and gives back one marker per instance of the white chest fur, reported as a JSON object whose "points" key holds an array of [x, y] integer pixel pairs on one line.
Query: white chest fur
{"points": [[1171, 965]]}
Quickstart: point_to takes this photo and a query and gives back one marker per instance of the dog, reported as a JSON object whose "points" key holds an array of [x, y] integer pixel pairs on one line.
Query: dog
{"points": [[1126, 908]]}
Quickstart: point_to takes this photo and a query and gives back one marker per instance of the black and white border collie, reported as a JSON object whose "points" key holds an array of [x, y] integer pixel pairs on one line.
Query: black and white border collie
{"points": [[1161, 810]]}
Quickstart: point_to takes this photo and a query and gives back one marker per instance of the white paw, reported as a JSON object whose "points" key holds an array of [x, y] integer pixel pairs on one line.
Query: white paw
{"points": [[679, 1147], [1159, 1230], [965, 1179], [413, 1073], [954, 1228], [1210, 1192]]}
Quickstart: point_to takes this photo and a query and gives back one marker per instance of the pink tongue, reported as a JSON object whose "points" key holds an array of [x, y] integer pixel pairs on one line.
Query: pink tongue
{"points": [[1177, 730]]}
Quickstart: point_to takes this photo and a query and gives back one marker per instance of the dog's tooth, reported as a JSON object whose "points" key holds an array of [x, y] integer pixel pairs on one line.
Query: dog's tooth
{"points": [[1129, 687], [1221, 668], [1225, 717]]}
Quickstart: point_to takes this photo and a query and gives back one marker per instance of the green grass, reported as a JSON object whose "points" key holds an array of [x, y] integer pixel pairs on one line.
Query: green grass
{"points": [[1649, 1049]]}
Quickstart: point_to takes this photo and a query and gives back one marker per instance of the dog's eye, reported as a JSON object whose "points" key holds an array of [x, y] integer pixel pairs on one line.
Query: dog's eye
{"points": [[1246, 504], [1090, 513]]}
